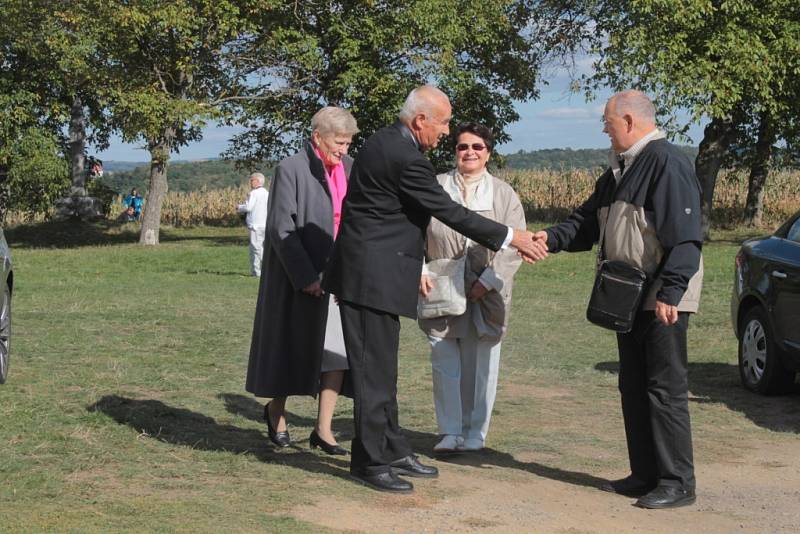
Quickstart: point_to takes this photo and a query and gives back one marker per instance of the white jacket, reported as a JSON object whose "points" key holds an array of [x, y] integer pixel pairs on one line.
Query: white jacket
{"points": [[256, 208]]}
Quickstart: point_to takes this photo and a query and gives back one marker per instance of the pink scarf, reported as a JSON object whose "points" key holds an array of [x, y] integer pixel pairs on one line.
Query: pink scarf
{"points": [[337, 183]]}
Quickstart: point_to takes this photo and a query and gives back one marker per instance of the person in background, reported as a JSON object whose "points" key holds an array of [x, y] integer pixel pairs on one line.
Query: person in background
{"points": [[255, 207], [298, 346], [135, 201], [127, 215], [465, 349], [645, 211]]}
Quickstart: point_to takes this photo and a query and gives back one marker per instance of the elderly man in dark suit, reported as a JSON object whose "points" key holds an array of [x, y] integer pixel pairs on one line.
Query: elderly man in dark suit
{"points": [[375, 272]]}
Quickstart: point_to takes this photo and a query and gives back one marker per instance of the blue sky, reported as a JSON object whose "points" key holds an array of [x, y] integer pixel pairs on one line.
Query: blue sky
{"points": [[558, 119]]}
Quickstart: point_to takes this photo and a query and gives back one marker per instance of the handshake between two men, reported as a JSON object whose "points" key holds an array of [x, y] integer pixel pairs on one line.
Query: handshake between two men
{"points": [[530, 246]]}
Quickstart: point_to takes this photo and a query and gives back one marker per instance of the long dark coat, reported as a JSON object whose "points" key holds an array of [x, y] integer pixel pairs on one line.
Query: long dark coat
{"points": [[289, 329]]}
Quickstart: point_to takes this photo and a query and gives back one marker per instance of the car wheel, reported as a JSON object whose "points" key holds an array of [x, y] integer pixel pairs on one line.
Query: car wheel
{"points": [[5, 332], [760, 365]]}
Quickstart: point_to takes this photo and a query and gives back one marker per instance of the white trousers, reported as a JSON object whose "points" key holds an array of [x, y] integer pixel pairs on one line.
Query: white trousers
{"points": [[464, 383], [256, 249]]}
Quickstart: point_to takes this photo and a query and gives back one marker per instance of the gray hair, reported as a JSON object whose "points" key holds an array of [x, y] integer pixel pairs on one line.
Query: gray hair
{"points": [[257, 176], [421, 100], [635, 103], [333, 120]]}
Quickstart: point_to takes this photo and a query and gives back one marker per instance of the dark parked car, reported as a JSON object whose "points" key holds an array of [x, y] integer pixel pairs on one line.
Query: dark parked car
{"points": [[5, 307], [765, 309]]}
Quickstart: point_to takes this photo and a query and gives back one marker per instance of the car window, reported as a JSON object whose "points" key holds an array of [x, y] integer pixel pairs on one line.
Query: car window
{"points": [[794, 232]]}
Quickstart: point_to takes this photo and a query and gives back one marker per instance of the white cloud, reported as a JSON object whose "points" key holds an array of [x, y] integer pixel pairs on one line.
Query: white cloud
{"points": [[568, 113]]}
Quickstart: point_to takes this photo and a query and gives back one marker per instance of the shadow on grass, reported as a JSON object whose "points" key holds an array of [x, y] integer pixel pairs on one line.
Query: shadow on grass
{"points": [[249, 408], [71, 234], [179, 426], [719, 383], [76, 233], [493, 457]]}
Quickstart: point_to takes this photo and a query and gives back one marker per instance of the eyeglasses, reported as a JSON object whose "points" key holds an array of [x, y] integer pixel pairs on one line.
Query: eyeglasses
{"points": [[477, 147]]}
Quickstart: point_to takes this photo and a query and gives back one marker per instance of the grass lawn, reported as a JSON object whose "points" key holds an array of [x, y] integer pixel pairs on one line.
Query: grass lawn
{"points": [[125, 406]]}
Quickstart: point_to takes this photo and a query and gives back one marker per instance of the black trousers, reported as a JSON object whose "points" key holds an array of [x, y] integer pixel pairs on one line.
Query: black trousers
{"points": [[653, 383], [372, 338]]}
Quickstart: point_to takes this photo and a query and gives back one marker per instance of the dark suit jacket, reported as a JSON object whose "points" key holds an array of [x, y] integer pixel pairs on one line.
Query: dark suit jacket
{"points": [[391, 196]]}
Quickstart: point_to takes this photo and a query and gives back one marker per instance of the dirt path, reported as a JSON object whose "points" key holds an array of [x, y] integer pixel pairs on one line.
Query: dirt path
{"points": [[747, 495]]}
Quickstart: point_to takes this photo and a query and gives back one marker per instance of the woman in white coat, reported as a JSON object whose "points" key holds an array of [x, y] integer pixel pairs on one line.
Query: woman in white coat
{"points": [[465, 349]]}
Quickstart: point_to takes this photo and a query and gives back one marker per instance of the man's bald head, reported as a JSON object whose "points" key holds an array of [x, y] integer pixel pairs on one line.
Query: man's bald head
{"points": [[635, 103], [423, 99], [427, 114], [628, 116]]}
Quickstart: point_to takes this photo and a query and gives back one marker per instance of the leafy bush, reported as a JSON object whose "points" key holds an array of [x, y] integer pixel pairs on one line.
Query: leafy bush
{"points": [[38, 173]]}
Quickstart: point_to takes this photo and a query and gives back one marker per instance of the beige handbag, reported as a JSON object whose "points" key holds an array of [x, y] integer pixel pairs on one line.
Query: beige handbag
{"points": [[447, 296]]}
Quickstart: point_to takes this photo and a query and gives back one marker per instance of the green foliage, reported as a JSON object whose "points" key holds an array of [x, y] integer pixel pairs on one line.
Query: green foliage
{"points": [[367, 56], [167, 65], [731, 58], [37, 172]]}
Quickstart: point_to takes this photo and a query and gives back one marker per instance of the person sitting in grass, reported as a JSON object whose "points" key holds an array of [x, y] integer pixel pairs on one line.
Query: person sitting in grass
{"points": [[127, 215]]}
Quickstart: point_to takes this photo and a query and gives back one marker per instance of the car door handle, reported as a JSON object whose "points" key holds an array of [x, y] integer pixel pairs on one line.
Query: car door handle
{"points": [[779, 274]]}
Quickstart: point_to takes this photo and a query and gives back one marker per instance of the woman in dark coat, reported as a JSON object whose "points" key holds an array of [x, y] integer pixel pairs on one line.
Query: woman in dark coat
{"points": [[297, 346]]}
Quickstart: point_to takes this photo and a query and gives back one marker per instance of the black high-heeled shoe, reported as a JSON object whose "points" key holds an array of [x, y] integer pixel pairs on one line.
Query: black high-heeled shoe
{"points": [[281, 439], [334, 450]]}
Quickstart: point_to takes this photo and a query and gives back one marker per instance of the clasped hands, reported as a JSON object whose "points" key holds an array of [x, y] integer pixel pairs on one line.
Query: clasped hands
{"points": [[531, 247]]}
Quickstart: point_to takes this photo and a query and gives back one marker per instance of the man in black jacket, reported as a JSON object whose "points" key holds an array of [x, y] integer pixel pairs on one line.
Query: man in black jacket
{"points": [[645, 210], [376, 268]]}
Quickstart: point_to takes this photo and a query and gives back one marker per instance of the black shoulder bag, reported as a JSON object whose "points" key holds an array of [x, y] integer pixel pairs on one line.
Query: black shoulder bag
{"points": [[617, 292]]}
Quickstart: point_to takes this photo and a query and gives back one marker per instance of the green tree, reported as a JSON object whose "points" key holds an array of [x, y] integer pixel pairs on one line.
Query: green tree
{"points": [[32, 170], [37, 172], [50, 50], [366, 56], [169, 72], [732, 61]]}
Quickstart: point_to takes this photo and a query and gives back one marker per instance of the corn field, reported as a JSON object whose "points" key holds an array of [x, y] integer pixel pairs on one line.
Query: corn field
{"points": [[547, 195], [552, 195], [215, 207]]}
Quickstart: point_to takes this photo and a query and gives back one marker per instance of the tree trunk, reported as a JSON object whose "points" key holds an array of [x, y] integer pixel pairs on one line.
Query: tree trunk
{"points": [[759, 169], [717, 137], [151, 219], [77, 148]]}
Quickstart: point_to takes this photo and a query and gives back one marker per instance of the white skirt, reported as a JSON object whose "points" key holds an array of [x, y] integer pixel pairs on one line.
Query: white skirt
{"points": [[334, 356]]}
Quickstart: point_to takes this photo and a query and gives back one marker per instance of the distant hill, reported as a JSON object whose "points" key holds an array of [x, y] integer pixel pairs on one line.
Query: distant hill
{"points": [[122, 176], [118, 166], [568, 158], [181, 176]]}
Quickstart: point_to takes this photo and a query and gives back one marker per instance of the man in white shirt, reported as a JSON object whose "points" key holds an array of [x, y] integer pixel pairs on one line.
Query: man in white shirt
{"points": [[256, 209]]}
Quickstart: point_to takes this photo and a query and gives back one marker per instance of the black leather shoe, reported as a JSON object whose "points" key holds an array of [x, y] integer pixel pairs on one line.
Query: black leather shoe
{"points": [[629, 486], [280, 439], [328, 448], [666, 497], [386, 481], [410, 466]]}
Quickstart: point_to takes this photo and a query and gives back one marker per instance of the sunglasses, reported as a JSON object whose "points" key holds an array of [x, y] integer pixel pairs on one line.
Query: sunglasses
{"points": [[477, 147]]}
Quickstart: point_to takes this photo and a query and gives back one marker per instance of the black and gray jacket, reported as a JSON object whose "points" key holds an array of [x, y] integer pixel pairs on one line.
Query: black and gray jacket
{"points": [[650, 219]]}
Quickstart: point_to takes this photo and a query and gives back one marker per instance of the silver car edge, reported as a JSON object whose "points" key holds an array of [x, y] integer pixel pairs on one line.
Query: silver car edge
{"points": [[5, 307]]}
